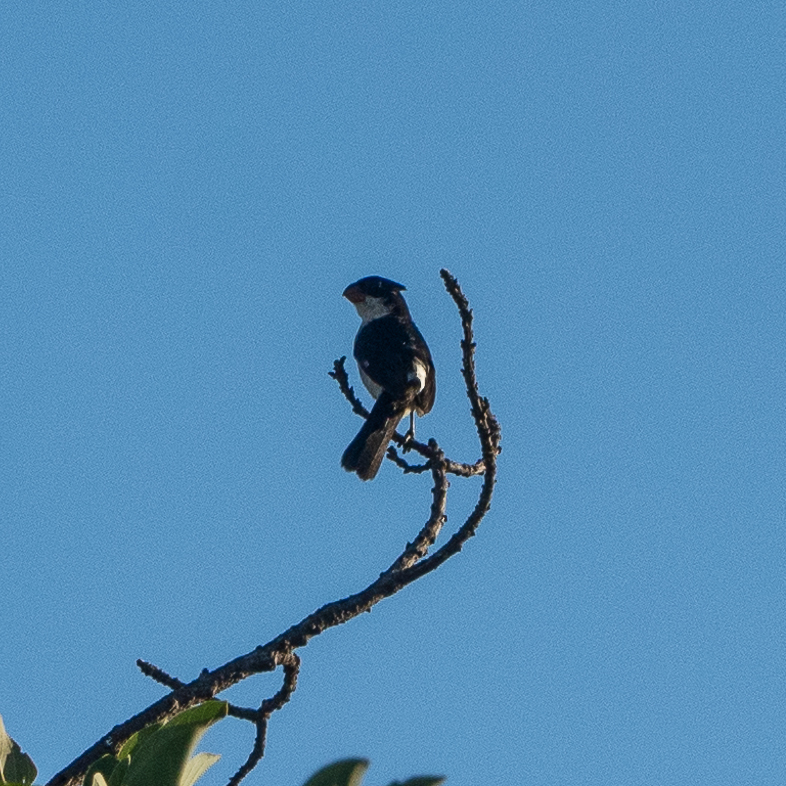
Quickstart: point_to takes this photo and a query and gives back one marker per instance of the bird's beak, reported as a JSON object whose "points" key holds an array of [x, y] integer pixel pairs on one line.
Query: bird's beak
{"points": [[353, 294]]}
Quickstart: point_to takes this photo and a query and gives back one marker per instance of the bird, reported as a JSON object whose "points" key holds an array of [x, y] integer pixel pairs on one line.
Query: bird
{"points": [[396, 368]]}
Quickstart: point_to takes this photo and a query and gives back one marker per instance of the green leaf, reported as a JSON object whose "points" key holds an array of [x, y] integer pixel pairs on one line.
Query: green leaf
{"points": [[196, 767], [136, 739], [118, 773], [6, 745], [15, 766], [161, 758], [205, 714], [107, 771], [103, 768], [348, 772]]}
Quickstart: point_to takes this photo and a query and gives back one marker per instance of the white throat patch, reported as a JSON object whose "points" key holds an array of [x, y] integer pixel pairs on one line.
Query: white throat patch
{"points": [[372, 308]]}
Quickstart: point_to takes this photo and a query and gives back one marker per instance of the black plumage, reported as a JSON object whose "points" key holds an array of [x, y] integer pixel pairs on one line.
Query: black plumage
{"points": [[395, 365]]}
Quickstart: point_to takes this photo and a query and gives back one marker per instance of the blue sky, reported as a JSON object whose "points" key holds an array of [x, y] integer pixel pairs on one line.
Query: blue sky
{"points": [[186, 190]]}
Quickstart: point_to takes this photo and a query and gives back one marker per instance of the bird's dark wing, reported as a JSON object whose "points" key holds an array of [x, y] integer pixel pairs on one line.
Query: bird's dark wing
{"points": [[425, 399], [386, 350]]}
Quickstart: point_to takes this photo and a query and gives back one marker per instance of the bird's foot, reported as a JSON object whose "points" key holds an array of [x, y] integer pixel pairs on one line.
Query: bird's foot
{"points": [[409, 437]]}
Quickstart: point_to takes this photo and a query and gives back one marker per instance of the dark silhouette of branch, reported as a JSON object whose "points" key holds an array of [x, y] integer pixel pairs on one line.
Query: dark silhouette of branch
{"points": [[409, 566], [159, 675], [262, 715], [244, 713]]}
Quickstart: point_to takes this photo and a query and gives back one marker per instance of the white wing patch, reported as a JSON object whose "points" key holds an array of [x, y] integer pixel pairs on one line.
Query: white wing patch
{"points": [[419, 373]]}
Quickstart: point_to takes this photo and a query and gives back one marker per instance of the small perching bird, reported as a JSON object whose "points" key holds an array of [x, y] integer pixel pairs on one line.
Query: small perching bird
{"points": [[395, 366]]}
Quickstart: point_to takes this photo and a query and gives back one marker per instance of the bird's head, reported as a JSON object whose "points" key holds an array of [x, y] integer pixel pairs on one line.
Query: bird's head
{"points": [[375, 297]]}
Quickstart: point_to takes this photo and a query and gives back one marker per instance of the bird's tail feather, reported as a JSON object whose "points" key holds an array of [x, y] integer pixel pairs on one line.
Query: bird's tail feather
{"points": [[365, 453]]}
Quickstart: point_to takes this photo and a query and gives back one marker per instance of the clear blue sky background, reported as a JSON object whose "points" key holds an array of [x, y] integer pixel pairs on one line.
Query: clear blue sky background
{"points": [[187, 188]]}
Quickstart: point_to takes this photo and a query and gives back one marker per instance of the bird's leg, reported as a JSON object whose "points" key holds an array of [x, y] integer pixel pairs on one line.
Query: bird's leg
{"points": [[409, 437]]}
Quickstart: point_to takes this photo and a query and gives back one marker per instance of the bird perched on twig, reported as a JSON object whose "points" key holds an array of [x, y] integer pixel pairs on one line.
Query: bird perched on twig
{"points": [[395, 366]]}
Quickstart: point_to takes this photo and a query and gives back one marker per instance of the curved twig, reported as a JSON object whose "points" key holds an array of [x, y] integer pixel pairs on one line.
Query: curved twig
{"points": [[408, 567], [262, 715]]}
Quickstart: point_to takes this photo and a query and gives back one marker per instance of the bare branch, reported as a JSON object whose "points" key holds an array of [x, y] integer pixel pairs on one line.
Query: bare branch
{"points": [[428, 535], [339, 373], [415, 469], [242, 713], [408, 567], [159, 675], [262, 715]]}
